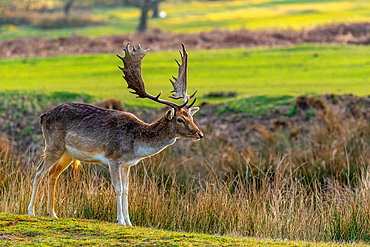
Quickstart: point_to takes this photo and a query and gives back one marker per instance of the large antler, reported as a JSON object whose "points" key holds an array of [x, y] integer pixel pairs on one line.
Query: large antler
{"points": [[132, 75], [180, 83]]}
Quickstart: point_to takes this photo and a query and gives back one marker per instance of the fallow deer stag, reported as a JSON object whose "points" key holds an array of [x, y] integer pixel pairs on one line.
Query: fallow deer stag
{"points": [[79, 132]]}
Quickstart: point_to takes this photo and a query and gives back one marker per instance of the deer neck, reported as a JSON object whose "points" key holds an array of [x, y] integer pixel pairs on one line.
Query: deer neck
{"points": [[160, 132], [155, 137]]}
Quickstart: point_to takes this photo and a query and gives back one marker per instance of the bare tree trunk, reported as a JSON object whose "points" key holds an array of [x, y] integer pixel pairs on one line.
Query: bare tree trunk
{"points": [[145, 6], [155, 10], [67, 7], [143, 18]]}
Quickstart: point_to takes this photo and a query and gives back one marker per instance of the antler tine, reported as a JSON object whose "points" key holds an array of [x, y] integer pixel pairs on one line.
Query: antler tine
{"points": [[132, 75], [126, 50], [180, 83], [188, 106], [191, 96], [157, 97]]}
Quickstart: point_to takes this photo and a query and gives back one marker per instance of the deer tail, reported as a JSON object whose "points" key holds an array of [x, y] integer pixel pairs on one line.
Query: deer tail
{"points": [[75, 165]]}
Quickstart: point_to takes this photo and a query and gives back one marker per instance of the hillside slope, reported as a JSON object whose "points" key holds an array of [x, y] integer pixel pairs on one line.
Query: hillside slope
{"points": [[22, 230]]}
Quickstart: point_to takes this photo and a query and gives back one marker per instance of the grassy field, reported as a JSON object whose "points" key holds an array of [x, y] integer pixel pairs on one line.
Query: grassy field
{"points": [[304, 69], [22, 230], [272, 187], [202, 16]]}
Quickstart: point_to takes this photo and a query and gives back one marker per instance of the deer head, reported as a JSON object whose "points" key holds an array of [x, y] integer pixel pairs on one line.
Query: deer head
{"points": [[179, 117]]}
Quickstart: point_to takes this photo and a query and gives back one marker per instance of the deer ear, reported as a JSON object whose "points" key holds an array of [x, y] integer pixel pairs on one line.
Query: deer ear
{"points": [[193, 110], [170, 114]]}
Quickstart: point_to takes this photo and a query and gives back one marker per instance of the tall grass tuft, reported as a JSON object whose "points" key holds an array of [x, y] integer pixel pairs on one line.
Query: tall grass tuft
{"points": [[274, 204], [306, 179]]}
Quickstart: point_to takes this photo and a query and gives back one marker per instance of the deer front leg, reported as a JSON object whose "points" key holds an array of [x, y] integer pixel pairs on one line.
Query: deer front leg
{"points": [[115, 174], [125, 172]]}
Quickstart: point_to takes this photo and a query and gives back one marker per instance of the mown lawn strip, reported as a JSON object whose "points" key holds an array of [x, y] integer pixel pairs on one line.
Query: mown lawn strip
{"points": [[302, 69]]}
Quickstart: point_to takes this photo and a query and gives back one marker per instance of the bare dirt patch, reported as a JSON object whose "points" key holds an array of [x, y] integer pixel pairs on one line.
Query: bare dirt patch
{"points": [[357, 33]]}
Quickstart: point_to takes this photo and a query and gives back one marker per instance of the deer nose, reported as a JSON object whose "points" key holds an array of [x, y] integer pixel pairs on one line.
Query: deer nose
{"points": [[200, 135]]}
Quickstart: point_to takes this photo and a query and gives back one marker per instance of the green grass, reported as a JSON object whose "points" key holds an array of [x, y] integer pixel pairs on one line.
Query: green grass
{"points": [[208, 15], [31, 101], [256, 105], [304, 69], [20, 230]]}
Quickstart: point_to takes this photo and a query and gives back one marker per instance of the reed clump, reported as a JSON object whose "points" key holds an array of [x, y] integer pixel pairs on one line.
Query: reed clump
{"points": [[273, 204]]}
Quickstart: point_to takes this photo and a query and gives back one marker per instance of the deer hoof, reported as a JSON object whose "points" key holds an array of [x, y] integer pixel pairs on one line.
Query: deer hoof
{"points": [[31, 212], [121, 222], [53, 215]]}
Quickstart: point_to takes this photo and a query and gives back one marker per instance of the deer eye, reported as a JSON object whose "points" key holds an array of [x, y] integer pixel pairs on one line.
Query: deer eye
{"points": [[179, 120]]}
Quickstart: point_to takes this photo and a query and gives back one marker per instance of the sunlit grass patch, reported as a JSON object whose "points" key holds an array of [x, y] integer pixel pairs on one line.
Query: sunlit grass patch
{"points": [[196, 16], [260, 15], [256, 105], [22, 230], [303, 69]]}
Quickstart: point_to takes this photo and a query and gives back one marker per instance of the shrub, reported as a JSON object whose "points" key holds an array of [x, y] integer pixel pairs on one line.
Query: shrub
{"points": [[15, 20], [48, 22], [221, 94]]}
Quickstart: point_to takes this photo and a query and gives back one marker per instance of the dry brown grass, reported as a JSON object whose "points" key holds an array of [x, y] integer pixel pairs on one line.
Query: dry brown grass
{"points": [[306, 178], [275, 204], [5, 147]]}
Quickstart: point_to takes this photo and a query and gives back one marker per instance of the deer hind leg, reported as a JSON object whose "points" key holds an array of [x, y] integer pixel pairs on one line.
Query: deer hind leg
{"points": [[44, 165], [39, 174], [63, 162], [125, 172], [49, 159]]}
